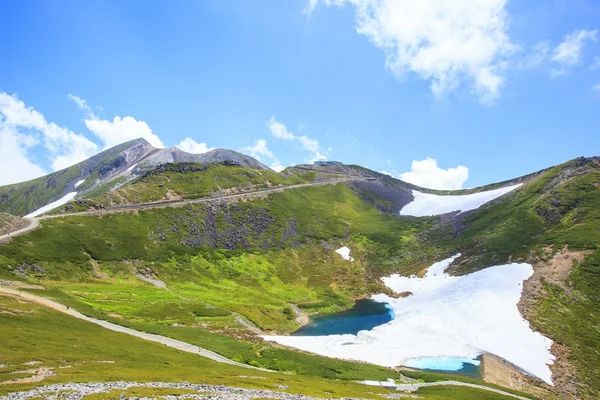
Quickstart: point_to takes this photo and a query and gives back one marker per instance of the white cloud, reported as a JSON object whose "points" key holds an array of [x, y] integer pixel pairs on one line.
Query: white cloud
{"points": [[16, 166], [538, 56], [121, 130], [392, 174], [280, 131], [117, 131], [22, 128], [191, 146], [595, 64], [440, 41], [309, 144], [310, 7], [259, 150], [596, 87], [426, 173], [277, 167], [317, 157], [569, 52], [81, 103]]}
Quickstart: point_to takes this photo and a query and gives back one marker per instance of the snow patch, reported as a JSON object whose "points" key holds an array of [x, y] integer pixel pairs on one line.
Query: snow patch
{"points": [[345, 253], [132, 167], [68, 197], [79, 183], [426, 204], [446, 316]]}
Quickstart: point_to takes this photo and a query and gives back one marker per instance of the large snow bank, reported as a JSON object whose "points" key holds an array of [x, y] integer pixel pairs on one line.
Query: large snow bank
{"points": [[426, 204], [345, 253], [79, 183], [445, 316], [68, 197]]}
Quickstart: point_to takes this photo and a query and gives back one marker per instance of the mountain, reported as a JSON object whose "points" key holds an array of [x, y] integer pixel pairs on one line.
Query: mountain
{"points": [[104, 171], [241, 249], [175, 155]]}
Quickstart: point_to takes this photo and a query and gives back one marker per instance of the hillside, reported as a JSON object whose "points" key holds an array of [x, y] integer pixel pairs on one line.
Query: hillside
{"points": [[107, 170], [256, 260]]}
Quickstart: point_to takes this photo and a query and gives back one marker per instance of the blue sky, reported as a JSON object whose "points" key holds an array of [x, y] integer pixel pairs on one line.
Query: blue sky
{"points": [[489, 89]]}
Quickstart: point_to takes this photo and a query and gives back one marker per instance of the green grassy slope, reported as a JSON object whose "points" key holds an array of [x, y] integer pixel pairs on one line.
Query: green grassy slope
{"points": [[258, 257], [195, 180], [265, 253], [78, 351]]}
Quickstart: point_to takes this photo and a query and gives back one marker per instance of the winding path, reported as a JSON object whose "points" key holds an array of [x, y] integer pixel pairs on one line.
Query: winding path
{"points": [[35, 222], [179, 345], [413, 387], [176, 344]]}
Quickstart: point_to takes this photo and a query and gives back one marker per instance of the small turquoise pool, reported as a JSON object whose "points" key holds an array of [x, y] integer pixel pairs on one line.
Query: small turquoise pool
{"points": [[365, 315], [455, 365]]}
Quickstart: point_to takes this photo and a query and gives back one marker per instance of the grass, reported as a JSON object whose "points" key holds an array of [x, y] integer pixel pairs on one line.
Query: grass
{"points": [[59, 340], [88, 353], [294, 268], [190, 181], [258, 257]]}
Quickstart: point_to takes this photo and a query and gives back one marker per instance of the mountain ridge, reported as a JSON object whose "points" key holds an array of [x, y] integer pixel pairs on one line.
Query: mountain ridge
{"points": [[116, 165]]}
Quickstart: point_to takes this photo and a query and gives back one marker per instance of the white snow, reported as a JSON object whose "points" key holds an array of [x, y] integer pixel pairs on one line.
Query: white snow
{"points": [[345, 253], [53, 205], [132, 167], [426, 204], [445, 316], [79, 183]]}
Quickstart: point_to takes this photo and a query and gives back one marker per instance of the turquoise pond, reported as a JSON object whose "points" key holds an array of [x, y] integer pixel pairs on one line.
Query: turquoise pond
{"points": [[453, 365], [365, 315]]}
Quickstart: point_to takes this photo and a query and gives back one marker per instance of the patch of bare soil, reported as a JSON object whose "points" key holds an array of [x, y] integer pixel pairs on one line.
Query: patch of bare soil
{"points": [[38, 374], [302, 317], [555, 269], [171, 195], [500, 372], [98, 273], [10, 223]]}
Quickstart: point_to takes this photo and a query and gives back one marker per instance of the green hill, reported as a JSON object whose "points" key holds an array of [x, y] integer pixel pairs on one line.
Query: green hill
{"points": [[256, 258]]}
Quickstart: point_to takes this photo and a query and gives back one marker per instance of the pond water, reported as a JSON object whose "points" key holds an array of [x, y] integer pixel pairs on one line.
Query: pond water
{"points": [[365, 315], [455, 365]]}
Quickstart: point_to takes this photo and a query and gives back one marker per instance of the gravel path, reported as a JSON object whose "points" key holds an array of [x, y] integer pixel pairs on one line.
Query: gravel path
{"points": [[180, 202], [33, 224], [174, 203], [176, 344], [412, 387], [76, 391]]}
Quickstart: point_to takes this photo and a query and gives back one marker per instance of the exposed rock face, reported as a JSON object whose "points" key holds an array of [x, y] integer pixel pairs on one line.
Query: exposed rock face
{"points": [[386, 196], [175, 155], [227, 226], [124, 161]]}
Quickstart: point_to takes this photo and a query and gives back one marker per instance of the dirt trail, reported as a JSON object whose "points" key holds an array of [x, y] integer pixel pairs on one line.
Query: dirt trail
{"points": [[35, 222], [176, 344], [182, 202], [413, 387]]}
